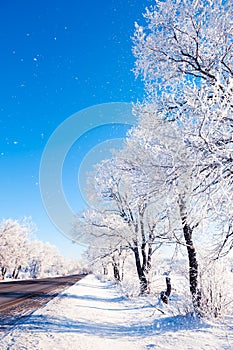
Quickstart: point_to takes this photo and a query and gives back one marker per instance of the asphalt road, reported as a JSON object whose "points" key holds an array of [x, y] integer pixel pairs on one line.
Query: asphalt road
{"points": [[18, 292]]}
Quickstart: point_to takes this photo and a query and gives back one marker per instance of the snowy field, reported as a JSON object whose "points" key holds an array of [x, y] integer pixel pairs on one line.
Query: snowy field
{"points": [[92, 315]]}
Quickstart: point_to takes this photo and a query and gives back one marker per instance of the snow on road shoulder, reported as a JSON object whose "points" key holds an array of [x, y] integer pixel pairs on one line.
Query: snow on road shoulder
{"points": [[93, 315]]}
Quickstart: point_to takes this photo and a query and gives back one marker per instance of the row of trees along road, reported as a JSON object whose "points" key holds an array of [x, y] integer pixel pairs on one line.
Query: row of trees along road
{"points": [[172, 182], [22, 255]]}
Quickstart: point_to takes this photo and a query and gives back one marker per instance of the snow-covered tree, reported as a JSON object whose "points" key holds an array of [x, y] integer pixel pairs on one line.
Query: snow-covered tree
{"points": [[169, 174], [105, 235], [184, 55], [44, 260], [184, 43], [20, 253], [127, 219], [14, 236]]}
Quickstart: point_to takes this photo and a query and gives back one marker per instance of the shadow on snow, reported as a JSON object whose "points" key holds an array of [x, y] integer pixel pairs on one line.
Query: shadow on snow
{"points": [[41, 323]]}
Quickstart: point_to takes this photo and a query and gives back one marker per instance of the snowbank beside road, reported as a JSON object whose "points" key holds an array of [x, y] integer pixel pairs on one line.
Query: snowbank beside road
{"points": [[91, 315]]}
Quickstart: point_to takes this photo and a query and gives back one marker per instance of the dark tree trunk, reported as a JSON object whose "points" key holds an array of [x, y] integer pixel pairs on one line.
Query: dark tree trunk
{"points": [[122, 269], [169, 286], [3, 270], [143, 246], [150, 252], [141, 272], [105, 270], [116, 272], [193, 268], [16, 272], [165, 294], [192, 259]]}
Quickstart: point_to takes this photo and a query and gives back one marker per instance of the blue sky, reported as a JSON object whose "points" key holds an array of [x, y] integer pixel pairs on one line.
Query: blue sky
{"points": [[57, 58]]}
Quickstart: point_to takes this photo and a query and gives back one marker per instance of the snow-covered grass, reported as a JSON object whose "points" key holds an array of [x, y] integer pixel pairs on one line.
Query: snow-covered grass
{"points": [[93, 315]]}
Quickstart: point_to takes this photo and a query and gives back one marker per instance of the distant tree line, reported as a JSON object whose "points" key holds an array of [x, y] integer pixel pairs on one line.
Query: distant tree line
{"points": [[23, 256]]}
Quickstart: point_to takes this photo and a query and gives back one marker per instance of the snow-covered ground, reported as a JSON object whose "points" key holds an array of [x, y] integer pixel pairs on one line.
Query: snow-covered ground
{"points": [[92, 315]]}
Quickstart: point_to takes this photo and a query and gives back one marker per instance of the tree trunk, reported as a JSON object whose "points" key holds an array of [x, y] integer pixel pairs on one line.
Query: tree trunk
{"points": [[149, 256], [116, 272], [193, 268], [165, 294], [192, 259], [169, 286], [141, 273], [143, 246], [122, 269], [3, 270], [13, 273], [105, 269], [17, 271]]}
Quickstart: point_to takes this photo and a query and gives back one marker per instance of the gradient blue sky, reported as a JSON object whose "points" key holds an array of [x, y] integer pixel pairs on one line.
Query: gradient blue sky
{"points": [[56, 58]]}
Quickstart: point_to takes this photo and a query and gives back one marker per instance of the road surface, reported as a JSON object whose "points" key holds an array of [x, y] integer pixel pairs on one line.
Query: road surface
{"points": [[18, 292], [18, 299]]}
